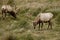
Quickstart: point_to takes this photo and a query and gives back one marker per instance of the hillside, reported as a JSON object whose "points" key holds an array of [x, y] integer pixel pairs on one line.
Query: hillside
{"points": [[22, 27]]}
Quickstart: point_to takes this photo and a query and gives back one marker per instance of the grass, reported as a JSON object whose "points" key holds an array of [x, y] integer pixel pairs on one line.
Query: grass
{"points": [[22, 28]]}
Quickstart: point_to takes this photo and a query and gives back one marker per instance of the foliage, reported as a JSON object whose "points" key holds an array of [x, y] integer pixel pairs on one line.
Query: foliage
{"points": [[22, 28]]}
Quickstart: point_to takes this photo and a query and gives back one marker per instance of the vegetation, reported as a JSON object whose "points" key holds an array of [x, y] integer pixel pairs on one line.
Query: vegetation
{"points": [[22, 28]]}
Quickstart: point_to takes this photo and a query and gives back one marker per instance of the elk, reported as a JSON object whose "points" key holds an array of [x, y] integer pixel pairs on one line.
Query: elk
{"points": [[7, 9], [43, 18]]}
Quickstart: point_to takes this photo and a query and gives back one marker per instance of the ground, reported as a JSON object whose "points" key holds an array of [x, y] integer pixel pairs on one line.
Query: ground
{"points": [[21, 28]]}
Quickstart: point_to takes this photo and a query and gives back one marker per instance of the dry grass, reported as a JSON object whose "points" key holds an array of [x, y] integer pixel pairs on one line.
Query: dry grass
{"points": [[22, 28]]}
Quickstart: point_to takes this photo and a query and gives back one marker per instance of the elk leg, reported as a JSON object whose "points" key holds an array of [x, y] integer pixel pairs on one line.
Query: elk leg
{"points": [[5, 14], [34, 27], [39, 26], [42, 26], [2, 13], [50, 24]]}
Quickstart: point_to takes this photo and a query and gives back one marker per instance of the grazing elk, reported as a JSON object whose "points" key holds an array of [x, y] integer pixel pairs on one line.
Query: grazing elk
{"points": [[7, 9], [43, 18]]}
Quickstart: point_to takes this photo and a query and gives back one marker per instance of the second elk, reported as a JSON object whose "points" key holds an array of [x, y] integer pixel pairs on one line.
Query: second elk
{"points": [[43, 18], [7, 9]]}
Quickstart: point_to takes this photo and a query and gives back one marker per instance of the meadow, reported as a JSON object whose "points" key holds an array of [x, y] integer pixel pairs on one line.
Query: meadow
{"points": [[21, 28]]}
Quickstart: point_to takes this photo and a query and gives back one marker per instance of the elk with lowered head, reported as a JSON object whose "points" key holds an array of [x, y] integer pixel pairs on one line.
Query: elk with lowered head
{"points": [[43, 18], [7, 9]]}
